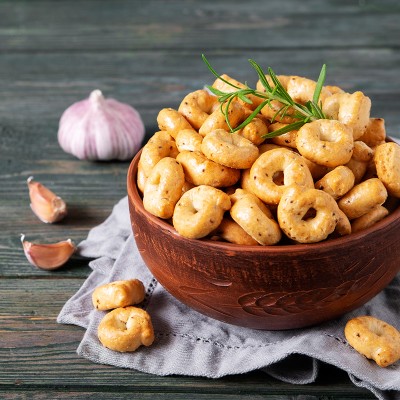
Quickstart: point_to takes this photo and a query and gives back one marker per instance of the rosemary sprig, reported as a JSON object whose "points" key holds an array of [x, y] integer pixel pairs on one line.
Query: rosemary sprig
{"points": [[303, 114]]}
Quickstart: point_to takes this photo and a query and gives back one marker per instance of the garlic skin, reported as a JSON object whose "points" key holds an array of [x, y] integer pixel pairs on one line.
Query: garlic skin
{"points": [[47, 206], [48, 256], [101, 129]]}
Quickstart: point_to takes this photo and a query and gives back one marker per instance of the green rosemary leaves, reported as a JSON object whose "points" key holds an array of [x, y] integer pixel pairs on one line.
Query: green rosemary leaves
{"points": [[301, 113]]}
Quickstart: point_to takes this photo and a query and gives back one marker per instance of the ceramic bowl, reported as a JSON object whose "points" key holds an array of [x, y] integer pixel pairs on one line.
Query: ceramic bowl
{"points": [[267, 287]]}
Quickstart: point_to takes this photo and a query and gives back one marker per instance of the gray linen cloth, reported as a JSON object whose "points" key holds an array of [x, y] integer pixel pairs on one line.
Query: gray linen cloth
{"points": [[188, 343]]}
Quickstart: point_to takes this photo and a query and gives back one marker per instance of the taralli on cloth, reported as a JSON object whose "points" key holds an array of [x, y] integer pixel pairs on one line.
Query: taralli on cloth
{"points": [[125, 329], [188, 343], [118, 294], [375, 339]]}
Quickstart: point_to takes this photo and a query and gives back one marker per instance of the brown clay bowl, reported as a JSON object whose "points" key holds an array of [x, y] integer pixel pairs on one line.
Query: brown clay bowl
{"points": [[275, 287]]}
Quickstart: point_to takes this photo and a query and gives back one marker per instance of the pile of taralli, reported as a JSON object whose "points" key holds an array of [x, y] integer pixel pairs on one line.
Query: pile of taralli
{"points": [[331, 177]]}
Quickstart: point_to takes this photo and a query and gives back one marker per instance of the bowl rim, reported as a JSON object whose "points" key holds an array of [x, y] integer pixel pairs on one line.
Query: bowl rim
{"points": [[347, 240]]}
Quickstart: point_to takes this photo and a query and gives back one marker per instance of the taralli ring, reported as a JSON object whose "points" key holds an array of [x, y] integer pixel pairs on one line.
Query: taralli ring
{"points": [[295, 220], [353, 110], [125, 329], [118, 294], [255, 218], [232, 232], [269, 167], [375, 132], [387, 162], [359, 168], [363, 197], [229, 149], [370, 218], [336, 182], [326, 142], [197, 106], [172, 121], [199, 211], [160, 145], [302, 89], [375, 339], [163, 188], [199, 170], [217, 120], [362, 152], [254, 131], [343, 227], [188, 139]]}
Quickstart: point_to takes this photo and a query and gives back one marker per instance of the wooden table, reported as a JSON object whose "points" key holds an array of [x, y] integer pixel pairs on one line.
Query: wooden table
{"points": [[145, 53]]}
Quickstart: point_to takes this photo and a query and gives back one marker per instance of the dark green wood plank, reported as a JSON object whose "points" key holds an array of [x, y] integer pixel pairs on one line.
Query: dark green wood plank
{"points": [[34, 302], [45, 25], [91, 393], [58, 365]]}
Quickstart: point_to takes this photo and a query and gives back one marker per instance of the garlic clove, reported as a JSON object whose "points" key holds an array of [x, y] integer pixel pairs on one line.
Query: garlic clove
{"points": [[99, 128], [48, 256], [47, 206]]}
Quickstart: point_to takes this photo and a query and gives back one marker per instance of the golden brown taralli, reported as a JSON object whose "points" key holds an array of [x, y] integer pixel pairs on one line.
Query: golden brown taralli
{"points": [[200, 211], [197, 106], [375, 132], [287, 139], [387, 162], [293, 211], [118, 294], [255, 218], [374, 338], [221, 85], [362, 152], [217, 120], [164, 188], [125, 329], [188, 139], [160, 145], [336, 182], [325, 142], [232, 232], [200, 170], [370, 218], [353, 110], [229, 149], [254, 131], [333, 155], [302, 89], [362, 198], [172, 121], [270, 164]]}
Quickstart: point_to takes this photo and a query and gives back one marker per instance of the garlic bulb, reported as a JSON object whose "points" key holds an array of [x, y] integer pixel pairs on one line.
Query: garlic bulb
{"points": [[100, 129]]}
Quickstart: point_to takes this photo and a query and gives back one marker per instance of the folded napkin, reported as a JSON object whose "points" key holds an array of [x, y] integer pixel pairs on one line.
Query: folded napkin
{"points": [[189, 343]]}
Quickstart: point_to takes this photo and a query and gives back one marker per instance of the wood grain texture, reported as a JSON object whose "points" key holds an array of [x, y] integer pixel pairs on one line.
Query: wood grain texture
{"points": [[192, 24], [148, 55]]}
